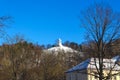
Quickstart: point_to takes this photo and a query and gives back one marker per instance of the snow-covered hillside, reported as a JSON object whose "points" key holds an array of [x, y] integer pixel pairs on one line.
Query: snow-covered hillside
{"points": [[64, 49], [60, 47]]}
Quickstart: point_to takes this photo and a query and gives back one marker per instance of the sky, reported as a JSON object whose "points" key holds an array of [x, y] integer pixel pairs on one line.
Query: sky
{"points": [[44, 21]]}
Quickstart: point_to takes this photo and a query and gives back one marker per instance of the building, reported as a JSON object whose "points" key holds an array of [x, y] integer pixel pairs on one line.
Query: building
{"points": [[87, 70]]}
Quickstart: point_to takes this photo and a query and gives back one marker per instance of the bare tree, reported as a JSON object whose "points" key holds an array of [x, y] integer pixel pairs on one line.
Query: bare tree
{"points": [[51, 66], [103, 27], [21, 58], [4, 22]]}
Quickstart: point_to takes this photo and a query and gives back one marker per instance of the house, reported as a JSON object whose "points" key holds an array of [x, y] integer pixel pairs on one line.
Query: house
{"points": [[87, 70]]}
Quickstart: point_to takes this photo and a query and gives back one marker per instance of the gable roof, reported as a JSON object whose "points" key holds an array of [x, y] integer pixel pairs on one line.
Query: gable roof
{"points": [[90, 64], [80, 66]]}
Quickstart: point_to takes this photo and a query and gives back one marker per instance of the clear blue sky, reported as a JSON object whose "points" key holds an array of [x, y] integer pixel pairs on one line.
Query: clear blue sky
{"points": [[44, 21]]}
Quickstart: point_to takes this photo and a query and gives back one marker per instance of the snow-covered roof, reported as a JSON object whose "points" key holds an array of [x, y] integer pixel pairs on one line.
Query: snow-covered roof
{"points": [[80, 66], [90, 64]]}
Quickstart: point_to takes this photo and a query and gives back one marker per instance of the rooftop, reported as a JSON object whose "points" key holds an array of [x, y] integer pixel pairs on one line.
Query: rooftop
{"points": [[90, 64]]}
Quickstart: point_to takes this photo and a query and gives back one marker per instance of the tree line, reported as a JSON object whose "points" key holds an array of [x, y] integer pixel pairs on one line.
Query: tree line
{"points": [[28, 61], [21, 60]]}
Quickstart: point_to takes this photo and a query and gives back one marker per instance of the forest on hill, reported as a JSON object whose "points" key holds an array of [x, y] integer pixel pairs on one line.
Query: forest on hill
{"points": [[27, 61], [24, 60]]}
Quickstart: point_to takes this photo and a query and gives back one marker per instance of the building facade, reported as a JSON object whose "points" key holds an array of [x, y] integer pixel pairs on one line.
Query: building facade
{"points": [[87, 70]]}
